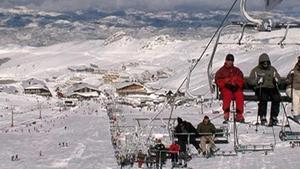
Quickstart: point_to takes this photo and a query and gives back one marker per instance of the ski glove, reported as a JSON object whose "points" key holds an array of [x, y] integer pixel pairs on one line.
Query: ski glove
{"points": [[276, 80], [260, 81], [231, 87], [292, 72]]}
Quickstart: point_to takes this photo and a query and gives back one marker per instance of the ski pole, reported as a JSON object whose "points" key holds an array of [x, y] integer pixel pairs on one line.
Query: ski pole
{"points": [[292, 92], [284, 111], [256, 125]]}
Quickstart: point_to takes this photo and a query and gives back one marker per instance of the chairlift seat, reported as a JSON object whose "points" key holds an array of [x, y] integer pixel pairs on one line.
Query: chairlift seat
{"points": [[249, 94], [221, 135]]}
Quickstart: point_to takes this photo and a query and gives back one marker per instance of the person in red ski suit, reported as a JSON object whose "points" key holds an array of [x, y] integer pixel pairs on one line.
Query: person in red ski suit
{"points": [[174, 151], [230, 81]]}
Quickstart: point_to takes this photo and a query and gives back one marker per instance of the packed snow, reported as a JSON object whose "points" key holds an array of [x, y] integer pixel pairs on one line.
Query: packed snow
{"points": [[85, 136]]}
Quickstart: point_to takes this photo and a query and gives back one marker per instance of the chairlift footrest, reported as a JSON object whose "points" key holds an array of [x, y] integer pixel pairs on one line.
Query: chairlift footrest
{"points": [[225, 153], [244, 148], [289, 136]]}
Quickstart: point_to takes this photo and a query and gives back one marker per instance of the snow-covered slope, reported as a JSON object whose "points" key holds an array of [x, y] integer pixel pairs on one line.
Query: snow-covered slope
{"points": [[151, 54], [73, 138], [128, 56]]}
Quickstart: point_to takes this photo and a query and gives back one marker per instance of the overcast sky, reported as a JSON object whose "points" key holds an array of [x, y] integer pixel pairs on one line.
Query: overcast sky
{"points": [[70, 5]]}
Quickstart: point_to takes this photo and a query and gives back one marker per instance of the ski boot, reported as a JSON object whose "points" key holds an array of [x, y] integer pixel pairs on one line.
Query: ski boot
{"points": [[263, 120], [273, 121]]}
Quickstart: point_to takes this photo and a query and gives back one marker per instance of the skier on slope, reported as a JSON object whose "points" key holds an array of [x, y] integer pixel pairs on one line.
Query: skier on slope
{"points": [[293, 89], [264, 78], [230, 81]]}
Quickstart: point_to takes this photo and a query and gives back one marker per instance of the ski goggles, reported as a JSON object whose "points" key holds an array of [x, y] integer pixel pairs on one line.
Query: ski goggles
{"points": [[265, 63]]}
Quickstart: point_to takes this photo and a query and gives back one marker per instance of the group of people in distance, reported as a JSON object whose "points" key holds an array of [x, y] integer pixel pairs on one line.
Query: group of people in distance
{"points": [[264, 79]]}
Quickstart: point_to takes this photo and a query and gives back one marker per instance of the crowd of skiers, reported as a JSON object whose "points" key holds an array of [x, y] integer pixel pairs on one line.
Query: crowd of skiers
{"points": [[264, 80]]}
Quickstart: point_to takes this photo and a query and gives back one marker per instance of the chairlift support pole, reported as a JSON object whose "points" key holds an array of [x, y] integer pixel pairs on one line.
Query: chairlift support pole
{"points": [[245, 14], [209, 68], [284, 36], [244, 26], [235, 137]]}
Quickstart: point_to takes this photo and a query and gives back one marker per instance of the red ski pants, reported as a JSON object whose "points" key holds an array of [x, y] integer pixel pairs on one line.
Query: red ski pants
{"points": [[228, 96]]}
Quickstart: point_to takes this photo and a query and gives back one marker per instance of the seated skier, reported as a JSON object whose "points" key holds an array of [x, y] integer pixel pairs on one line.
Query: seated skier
{"points": [[207, 131]]}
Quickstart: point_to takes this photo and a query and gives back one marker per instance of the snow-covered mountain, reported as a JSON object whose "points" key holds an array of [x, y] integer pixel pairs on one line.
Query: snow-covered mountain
{"points": [[153, 54], [25, 26]]}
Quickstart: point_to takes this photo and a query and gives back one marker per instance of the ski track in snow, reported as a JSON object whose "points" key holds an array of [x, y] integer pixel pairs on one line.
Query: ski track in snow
{"points": [[77, 153]]}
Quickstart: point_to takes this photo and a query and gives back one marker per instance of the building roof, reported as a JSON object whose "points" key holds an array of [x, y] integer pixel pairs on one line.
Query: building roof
{"points": [[37, 86], [88, 94], [125, 84], [34, 84], [77, 86], [32, 81]]}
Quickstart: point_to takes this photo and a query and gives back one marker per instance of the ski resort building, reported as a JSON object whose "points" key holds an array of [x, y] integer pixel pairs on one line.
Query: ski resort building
{"points": [[130, 88], [38, 90], [34, 86], [82, 91], [110, 77]]}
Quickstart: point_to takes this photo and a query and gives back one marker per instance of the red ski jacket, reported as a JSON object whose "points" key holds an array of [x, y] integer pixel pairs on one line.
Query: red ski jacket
{"points": [[174, 148], [232, 75]]}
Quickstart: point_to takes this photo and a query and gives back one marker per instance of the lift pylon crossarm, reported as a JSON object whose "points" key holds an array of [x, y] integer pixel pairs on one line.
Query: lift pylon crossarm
{"points": [[242, 34]]}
